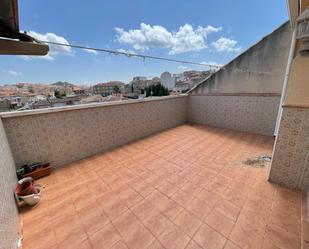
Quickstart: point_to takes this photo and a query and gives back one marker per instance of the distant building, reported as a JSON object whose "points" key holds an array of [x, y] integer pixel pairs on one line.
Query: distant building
{"points": [[27, 97], [139, 84], [78, 91], [4, 105], [182, 86], [168, 80], [8, 103], [196, 77], [128, 88], [189, 79], [108, 88], [139, 78], [54, 102]]}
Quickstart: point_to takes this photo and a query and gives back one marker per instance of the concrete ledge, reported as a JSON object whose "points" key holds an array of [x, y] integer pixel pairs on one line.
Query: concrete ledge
{"points": [[85, 106]]}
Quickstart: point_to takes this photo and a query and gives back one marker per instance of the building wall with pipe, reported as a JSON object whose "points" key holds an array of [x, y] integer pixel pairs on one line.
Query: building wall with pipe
{"points": [[290, 164]]}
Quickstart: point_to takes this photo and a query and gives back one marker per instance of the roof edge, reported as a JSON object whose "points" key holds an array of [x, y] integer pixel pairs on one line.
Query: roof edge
{"points": [[238, 56]]}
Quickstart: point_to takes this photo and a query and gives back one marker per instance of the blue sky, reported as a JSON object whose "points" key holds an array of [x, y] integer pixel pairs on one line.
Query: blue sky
{"points": [[195, 30]]}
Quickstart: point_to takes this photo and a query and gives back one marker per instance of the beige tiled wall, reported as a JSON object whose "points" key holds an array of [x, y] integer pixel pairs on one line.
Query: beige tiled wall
{"points": [[8, 211], [290, 164], [255, 114], [65, 136]]}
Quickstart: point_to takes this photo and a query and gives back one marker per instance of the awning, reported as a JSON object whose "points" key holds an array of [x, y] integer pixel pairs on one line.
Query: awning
{"points": [[11, 40]]}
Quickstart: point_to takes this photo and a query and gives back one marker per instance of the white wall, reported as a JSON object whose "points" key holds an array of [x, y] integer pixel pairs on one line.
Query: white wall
{"points": [[168, 80]]}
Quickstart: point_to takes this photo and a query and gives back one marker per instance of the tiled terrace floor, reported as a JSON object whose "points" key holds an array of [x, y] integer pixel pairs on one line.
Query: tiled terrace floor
{"points": [[182, 188]]}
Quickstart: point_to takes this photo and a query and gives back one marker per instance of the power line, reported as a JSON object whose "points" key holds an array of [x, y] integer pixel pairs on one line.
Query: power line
{"points": [[131, 54], [115, 52]]}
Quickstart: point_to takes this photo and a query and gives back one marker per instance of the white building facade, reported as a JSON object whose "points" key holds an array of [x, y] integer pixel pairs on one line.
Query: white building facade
{"points": [[168, 80]]}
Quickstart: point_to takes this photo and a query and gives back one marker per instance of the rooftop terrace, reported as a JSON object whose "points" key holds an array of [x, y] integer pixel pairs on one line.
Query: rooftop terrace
{"points": [[137, 174], [186, 187]]}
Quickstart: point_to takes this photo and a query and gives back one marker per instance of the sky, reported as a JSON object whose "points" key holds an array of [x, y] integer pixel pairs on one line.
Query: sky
{"points": [[204, 31]]}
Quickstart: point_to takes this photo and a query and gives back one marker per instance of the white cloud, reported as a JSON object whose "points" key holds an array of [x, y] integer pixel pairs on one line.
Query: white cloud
{"points": [[54, 50], [212, 63], [90, 51], [12, 72], [121, 50], [183, 68], [225, 44], [184, 40], [24, 57]]}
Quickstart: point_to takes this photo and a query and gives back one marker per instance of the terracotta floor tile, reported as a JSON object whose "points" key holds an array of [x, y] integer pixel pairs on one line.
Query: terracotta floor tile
{"points": [[92, 219], [126, 223], [267, 244], [199, 180], [177, 181], [182, 197], [193, 245], [61, 209], [170, 209], [114, 209], [188, 175], [146, 190], [174, 238], [66, 227], [305, 231], [231, 245], [282, 238], [228, 209], [119, 245], [155, 182], [47, 241], [144, 209], [191, 188], [290, 222], [156, 198], [84, 201], [167, 188], [210, 198], [37, 212], [74, 242], [105, 237], [156, 245], [131, 198], [217, 187], [157, 223], [187, 222], [207, 237], [220, 223], [199, 208], [246, 237], [140, 238], [253, 223], [37, 228]]}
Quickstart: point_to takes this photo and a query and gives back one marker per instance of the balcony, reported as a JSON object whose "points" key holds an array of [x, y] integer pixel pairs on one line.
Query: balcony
{"points": [[182, 188], [137, 174]]}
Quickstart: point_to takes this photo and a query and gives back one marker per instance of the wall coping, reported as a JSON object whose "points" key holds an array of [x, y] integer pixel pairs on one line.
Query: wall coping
{"points": [[238, 94], [297, 106], [85, 106]]}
